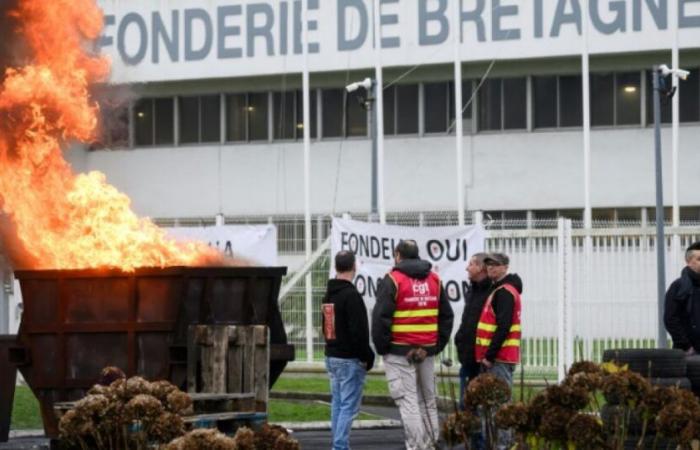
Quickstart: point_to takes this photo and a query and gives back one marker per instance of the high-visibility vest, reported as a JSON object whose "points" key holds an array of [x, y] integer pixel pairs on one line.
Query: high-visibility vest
{"points": [[416, 315], [510, 350]]}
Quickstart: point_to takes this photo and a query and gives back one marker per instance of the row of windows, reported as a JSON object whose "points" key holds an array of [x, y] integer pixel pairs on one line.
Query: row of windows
{"points": [[617, 99], [605, 216]]}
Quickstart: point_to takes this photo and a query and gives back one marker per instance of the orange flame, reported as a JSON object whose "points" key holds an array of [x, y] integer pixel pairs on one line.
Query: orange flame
{"points": [[59, 219]]}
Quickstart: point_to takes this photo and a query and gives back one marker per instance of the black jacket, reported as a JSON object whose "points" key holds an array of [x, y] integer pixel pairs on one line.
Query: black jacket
{"points": [[383, 313], [503, 304], [351, 327], [466, 335], [682, 310]]}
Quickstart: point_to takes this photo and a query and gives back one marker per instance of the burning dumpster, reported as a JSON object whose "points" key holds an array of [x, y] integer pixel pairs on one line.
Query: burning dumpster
{"points": [[76, 322]]}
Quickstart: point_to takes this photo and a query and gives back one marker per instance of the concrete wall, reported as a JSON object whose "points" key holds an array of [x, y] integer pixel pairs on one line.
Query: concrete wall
{"points": [[535, 170]]}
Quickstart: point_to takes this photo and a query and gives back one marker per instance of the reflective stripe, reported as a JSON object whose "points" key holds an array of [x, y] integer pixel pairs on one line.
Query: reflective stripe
{"points": [[506, 343], [414, 328], [489, 327], [416, 313], [486, 327]]}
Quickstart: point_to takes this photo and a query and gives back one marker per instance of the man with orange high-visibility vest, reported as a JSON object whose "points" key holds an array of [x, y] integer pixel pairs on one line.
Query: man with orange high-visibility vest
{"points": [[411, 323], [497, 345]]}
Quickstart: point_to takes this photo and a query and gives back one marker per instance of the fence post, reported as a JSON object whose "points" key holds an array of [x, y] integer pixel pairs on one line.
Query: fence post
{"points": [[565, 347]]}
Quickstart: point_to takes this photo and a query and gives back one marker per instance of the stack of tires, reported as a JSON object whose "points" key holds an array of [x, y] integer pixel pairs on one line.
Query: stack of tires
{"points": [[663, 367]]}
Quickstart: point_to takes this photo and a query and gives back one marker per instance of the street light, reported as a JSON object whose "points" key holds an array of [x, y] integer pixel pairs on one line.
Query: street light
{"points": [[660, 73], [367, 102]]}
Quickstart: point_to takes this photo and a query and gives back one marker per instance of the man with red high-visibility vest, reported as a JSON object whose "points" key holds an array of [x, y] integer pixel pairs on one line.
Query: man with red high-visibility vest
{"points": [[411, 323], [497, 345]]}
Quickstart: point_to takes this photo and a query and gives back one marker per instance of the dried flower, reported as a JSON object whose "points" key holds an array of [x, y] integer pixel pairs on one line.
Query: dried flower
{"points": [[110, 374], [487, 391], [553, 424], [144, 408], [244, 439], [585, 432], [514, 416], [178, 402], [460, 425], [625, 387], [166, 427], [584, 367], [203, 439], [575, 398], [591, 382]]}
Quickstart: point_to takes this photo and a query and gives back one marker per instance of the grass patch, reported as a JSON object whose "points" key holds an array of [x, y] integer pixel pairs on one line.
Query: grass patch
{"points": [[26, 415]]}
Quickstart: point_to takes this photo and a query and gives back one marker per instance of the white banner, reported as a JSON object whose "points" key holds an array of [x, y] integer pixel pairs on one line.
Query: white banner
{"points": [[448, 249], [256, 243]]}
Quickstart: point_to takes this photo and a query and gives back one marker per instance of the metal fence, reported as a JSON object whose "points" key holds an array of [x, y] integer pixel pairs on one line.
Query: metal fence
{"points": [[584, 290]]}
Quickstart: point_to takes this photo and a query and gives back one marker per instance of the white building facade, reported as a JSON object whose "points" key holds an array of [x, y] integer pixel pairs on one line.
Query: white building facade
{"points": [[556, 98]]}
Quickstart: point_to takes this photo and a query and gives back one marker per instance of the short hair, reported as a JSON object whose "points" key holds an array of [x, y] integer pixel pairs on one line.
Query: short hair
{"points": [[480, 257], [695, 246], [497, 258], [407, 249], [344, 261]]}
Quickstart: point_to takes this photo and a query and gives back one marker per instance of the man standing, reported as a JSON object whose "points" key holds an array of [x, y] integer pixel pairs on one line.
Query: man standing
{"points": [[479, 289], [348, 354], [498, 331], [682, 309], [411, 323]]}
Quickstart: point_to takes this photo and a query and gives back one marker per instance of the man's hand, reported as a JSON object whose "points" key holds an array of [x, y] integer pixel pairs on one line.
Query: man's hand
{"points": [[690, 352], [486, 363]]}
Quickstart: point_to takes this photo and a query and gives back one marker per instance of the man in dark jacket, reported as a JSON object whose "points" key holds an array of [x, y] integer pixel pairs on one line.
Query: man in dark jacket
{"points": [[348, 354], [411, 323], [479, 290], [682, 309]]}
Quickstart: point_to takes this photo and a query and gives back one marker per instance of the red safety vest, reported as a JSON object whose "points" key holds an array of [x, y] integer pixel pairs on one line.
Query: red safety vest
{"points": [[416, 315], [510, 350]]}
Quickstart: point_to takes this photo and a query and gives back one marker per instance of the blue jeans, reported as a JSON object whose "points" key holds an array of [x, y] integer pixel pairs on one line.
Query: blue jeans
{"points": [[347, 377]]}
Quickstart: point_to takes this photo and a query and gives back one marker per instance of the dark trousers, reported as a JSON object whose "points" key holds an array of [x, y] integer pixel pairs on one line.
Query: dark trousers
{"points": [[467, 373]]}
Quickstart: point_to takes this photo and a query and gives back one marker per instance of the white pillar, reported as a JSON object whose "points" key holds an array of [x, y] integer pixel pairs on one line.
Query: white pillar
{"points": [[459, 131], [307, 183], [564, 292], [585, 77], [675, 63], [379, 105]]}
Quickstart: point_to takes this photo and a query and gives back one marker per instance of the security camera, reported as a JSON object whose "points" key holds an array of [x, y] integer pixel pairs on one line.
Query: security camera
{"points": [[366, 83], [680, 73]]}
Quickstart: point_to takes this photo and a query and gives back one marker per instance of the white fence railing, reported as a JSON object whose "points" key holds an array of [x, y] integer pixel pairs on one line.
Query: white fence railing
{"points": [[584, 290]]}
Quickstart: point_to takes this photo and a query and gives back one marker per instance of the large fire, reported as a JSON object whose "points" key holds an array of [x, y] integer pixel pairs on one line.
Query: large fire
{"points": [[57, 219]]}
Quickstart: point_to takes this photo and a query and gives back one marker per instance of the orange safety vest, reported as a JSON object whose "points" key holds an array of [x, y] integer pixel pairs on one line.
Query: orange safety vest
{"points": [[510, 350], [416, 315]]}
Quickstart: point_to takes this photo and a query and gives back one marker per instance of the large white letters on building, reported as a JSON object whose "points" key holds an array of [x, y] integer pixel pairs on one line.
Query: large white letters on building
{"points": [[448, 249], [256, 243]]}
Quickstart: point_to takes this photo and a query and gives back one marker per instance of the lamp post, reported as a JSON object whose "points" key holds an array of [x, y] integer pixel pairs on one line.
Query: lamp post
{"points": [[660, 73], [369, 85]]}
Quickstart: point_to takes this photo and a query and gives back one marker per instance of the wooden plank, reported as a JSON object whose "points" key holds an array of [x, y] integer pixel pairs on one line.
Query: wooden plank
{"points": [[228, 396], [213, 358], [248, 368], [235, 361], [261, 363], [193, 358]]}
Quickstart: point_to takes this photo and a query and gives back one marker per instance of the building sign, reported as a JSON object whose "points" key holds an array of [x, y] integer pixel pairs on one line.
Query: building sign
{"points": [[152, 40]]}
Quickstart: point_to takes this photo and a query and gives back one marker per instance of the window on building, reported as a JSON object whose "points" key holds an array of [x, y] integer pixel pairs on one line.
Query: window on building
{"points": [[406, 109], [257, 116], [503, 104], [544, 90], [628, 98], [570, 101], [389, 94], [200, 119], [236, 117], [467, 90], [689, 97], [515, 103], [154, 122], [284, 112], [300, 114], [690, 214], [436, 107], [356, 114], [572, 214], [602, 99], [651, 214], [114, 127], [490, 103], [629, 216], [333, 112]]}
